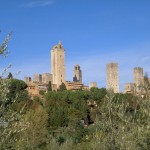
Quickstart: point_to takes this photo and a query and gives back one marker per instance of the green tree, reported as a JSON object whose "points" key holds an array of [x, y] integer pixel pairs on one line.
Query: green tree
{"points": [[62, 87], [55, 111], [6, 115], [17, 90], [49, 86], [9, 119], [4, 90], [98, 94], [80, 133], [34, 125], [119, 127], [4, 47], [10, 76]]}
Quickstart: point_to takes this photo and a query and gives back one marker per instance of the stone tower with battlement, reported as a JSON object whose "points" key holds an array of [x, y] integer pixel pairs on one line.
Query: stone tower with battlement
{"points": [[27, 79], [112, 77], [77, 74], [58, 68], [129, 88], [138, 75]]}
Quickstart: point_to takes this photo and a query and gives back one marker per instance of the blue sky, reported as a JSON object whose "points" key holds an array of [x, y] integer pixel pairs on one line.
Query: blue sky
{"points": [[93, 33]]}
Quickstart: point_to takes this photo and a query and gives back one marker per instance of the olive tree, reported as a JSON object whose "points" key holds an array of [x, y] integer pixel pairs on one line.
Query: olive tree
{"points": [[7, 116]]}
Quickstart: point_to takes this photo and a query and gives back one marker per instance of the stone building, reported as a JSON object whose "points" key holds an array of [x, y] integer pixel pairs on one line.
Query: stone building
{"points": [[58, 68], [93, 84], [37, 78], [34, 88], [74, 86], [27, 79], [77, 74], [129, 88], [112, 77], [138, 75], [46, 77]]}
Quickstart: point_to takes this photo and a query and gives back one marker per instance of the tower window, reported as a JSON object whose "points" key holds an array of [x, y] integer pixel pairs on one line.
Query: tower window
{"points": [[61, 75]]}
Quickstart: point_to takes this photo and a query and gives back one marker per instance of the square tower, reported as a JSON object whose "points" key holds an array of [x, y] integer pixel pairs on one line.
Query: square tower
{"points": [[58, 68], [46, 77], [27, 79], [112, 77], [77, 74], [37, 78], [138, 75]]}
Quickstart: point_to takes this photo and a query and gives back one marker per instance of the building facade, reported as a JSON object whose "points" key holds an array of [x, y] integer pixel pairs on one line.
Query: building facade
{"points": [[58, 68], [34, 88], [27, 79], [37, 78], [77, 74], [46, 78], [129, 88], [112, 77], [74, 86]]}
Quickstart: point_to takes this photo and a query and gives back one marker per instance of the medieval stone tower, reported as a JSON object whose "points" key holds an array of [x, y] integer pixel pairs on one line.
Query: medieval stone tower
{"points": [[77, 74], [138, 75], [112, 77], [58, 68]]}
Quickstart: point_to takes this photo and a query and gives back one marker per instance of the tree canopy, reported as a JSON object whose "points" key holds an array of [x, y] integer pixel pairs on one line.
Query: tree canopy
{"points": [[62, 87]]}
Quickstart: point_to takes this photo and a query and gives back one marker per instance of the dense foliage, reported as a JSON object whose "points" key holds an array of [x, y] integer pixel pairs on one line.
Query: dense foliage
{"points": [[95, 119]]}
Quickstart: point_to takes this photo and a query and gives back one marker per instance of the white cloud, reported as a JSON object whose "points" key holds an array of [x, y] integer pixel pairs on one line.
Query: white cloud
{"points": [[39, 3]]}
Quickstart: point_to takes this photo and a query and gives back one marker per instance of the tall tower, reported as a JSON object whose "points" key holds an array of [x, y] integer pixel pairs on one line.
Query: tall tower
{"points": [[138, 75], [37, 78], [46, 78], [112, 77], [27, 79], [77, 74], [58, 68]]}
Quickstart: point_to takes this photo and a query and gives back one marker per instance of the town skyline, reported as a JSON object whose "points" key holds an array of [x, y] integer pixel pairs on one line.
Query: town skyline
{"points": [[93, 34], [57, 76]]}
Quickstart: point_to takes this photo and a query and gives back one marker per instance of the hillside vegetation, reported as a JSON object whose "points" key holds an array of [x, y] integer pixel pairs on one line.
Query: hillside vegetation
{"points": [[95, 119]]}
